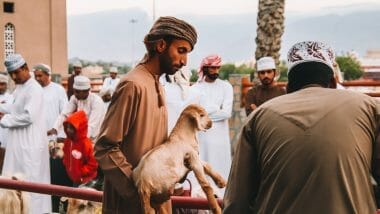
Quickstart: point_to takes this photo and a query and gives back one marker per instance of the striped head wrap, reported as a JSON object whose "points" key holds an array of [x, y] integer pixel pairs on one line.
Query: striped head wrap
{"points": [[213, 60], [171, 26]]}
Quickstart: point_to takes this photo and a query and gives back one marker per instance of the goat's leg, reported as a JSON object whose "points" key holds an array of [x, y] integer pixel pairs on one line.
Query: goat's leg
{"points": [[197, 167], [162, 210], [216, 177], [145, 202]]}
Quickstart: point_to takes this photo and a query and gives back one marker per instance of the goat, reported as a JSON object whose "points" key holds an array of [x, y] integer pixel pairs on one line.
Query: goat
{"points": [[14, 201], [79, 206], [161, 168]]}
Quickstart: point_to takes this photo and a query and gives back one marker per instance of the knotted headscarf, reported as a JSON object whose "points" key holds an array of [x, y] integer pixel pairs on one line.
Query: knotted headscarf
{"points": [[212, 60], [171, 26]]}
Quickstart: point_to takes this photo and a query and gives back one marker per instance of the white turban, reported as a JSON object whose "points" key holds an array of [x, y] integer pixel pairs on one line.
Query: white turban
{"points": [[14, 62], [81, 83], [113, 70], [77, 64], [42, 67], [265, 63]]}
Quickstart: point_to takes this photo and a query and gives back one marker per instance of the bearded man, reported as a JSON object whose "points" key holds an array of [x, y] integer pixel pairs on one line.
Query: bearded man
{"points": [[136, 120], [258, 94], [216, 98]]}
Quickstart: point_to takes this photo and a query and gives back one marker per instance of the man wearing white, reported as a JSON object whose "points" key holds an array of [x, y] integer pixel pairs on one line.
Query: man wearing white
{"points": [[27, 149], [55, 98], [84, 100], [109, 86], [5, 101], [216, 98], [54, 94], [178, 94]]}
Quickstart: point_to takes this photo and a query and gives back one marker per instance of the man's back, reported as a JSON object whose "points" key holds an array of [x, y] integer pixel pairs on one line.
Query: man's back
{"points": [[314, 151]]}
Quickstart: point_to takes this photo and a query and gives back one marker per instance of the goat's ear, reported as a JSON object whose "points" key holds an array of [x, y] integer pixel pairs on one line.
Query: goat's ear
{"points": [[194, 117]]}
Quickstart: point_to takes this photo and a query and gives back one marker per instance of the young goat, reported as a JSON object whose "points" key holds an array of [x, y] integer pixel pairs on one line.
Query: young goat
{"points": [[164, 166], [14, 201]]}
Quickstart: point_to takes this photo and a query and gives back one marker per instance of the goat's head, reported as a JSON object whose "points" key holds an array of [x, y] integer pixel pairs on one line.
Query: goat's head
{"points": [[199, 116], [80, 206]]}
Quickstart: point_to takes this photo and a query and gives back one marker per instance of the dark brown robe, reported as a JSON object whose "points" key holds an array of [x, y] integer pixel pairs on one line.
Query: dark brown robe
{"points": [[259, 94], [306, 152]]}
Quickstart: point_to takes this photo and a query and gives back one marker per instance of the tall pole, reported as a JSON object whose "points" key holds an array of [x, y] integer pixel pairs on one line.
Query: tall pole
{"points": [[133, 21], [154, 10]]}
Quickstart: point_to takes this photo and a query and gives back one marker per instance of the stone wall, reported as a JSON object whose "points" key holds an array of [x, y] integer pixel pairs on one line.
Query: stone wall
{"points": [[238, 113]]}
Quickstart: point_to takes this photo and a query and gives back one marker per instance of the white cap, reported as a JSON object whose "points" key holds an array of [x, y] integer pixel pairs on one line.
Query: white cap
{"points": [[42, 67], [310, 51], [14, 62], [3, 78], [81, 83], [265, 63], [77, 64], [113, 70]]}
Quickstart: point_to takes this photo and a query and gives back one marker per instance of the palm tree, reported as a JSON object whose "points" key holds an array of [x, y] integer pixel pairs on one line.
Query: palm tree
{"points": [[270, 27]]}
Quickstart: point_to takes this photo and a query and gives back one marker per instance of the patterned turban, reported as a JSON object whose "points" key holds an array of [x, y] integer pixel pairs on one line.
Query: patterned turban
{"points": [[171, 26], [310, 51], [212, 60]]}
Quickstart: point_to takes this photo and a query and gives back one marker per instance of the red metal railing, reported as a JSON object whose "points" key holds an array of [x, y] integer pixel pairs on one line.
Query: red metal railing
{"points": [[92, 195]]}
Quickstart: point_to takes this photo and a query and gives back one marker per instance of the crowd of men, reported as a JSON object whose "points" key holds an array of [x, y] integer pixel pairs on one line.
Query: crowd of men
{"points": [[307, 149]]}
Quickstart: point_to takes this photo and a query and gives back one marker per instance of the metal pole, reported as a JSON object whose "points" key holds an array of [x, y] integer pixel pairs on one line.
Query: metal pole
{"points": [[133, 21], [154, 10], [92, 195]]}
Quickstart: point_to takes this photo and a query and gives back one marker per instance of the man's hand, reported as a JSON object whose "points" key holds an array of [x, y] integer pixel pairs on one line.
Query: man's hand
{"points": [[253, 107], [52, 131], [106, 97]]}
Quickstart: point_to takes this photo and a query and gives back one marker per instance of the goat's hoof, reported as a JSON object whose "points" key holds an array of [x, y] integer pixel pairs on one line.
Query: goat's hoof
{"points": [[221, 183], [216, 210]]}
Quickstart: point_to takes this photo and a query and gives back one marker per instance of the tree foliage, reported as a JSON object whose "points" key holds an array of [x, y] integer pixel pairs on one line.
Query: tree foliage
{"points": [[350, 67]]}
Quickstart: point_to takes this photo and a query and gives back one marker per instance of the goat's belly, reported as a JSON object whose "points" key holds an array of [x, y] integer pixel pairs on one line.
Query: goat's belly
{"points": [[163, 194]]}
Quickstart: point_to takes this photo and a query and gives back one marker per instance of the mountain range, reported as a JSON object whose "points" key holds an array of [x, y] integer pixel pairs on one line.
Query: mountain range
{"points": [[117, 35]]}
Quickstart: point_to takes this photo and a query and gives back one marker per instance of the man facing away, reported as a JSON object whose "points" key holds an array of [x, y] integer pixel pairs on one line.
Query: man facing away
{"points": [[136, 120], [216, 98], [27, 148], [258, 94], [309, 151]]}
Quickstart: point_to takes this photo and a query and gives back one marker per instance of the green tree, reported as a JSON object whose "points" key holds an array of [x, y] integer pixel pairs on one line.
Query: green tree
{"points": [[283, 69], [350, 67]]}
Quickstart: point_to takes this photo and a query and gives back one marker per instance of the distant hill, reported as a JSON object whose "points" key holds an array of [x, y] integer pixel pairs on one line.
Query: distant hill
{"points": [[110, 35]]}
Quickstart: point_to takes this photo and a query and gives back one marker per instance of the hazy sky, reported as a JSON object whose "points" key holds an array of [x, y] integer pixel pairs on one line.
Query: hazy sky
{"points": [[173, 7]]}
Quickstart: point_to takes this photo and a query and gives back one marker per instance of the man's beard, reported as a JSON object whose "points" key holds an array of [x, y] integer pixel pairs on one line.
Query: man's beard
{"points": [[166, 64], [212, 77], [267, 81]]}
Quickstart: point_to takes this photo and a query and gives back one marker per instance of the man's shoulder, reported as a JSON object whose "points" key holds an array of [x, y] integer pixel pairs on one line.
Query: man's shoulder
{"points": [[56, 86], [137, 77], [95, 98]]}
